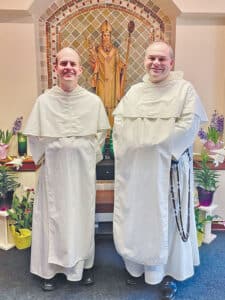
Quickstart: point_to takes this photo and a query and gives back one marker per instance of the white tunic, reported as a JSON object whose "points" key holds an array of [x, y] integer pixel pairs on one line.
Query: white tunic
{"points": [[62, 130], [153, 124]]}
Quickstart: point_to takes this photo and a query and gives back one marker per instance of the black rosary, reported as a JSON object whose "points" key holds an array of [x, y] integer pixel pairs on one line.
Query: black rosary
{"points": [[177, 211]]}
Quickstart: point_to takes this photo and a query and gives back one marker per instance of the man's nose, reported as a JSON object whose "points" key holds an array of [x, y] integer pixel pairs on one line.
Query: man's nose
{"points": [[68, 65], [156, 61]]}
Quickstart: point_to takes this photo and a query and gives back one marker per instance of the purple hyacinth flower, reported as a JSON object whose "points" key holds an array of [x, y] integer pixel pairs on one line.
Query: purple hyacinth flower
{"points": [[202, 134], [17, 125], [220, 124], [217, 122], [213, 121]]}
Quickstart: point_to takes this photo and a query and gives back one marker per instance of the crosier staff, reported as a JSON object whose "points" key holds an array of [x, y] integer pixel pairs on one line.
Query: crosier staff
{"points": [[130, 29]]}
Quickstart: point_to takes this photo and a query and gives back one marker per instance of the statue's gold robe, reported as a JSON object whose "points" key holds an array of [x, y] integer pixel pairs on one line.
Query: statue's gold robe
{"points": [[107, 78]]}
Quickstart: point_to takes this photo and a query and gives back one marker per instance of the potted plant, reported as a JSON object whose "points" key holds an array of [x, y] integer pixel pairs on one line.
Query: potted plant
{"points": [[206, 180], [21, 216], [6, 136], [199, 220], [212, 139], [8, 184], [203, 224]]}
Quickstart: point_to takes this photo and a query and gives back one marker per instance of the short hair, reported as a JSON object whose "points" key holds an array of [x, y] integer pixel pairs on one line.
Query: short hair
{"points": [[69, 49], [171, 52]]}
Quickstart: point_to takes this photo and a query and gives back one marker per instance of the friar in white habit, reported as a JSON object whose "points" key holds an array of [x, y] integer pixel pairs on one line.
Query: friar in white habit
{"points": [[154, 128], [66, 128]]}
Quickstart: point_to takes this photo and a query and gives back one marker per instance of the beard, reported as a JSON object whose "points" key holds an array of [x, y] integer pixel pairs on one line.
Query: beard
{"points": [[107, 46]]}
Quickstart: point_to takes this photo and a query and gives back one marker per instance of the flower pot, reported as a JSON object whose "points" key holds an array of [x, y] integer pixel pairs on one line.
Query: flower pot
{"points": [[6, 202], [205, 197], [200, 237], [211, 146], [22, 239], [3, 150]]}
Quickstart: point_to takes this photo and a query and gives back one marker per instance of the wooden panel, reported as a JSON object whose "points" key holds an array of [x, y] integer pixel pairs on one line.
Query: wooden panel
{"points": [[104, 201]]}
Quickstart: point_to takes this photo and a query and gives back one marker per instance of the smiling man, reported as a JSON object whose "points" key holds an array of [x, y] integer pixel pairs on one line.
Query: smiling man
{"points": [[158, 61], [68, 69], [66, 128], [154, 128]]}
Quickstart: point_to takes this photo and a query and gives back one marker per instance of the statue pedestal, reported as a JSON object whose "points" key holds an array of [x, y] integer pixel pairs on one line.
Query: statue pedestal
{"points": [[104, 206], [104, 192]]}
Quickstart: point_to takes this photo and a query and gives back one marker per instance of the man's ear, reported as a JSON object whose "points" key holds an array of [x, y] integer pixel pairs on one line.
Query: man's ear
{"points": [[80, 70], [172, 63]]}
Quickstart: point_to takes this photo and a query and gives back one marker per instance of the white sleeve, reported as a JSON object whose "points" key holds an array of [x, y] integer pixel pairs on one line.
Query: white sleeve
{"points": [[100, 142], [187, 125], [184, 135], [37, 147]]}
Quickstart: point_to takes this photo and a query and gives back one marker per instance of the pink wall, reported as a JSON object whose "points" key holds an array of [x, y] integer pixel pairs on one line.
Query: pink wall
{"points": [[200, 48]]}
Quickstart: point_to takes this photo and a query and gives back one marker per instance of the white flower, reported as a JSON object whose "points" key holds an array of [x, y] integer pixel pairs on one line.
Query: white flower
{"points": [[16, 162], [218, 156]]}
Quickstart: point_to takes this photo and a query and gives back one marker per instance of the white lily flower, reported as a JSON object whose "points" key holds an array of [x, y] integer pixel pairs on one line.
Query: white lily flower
{"points": [[16, 162], [218, 156]]}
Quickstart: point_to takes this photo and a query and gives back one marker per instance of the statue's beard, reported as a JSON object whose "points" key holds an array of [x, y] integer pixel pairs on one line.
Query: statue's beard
{"points": [[107, 46]]}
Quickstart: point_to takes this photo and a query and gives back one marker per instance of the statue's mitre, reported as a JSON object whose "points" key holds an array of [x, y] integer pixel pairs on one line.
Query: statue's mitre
{"points": [[106, 27]]}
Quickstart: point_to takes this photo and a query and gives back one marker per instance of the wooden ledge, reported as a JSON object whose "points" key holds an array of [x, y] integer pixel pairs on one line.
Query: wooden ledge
{"points": [[27, 166], [197, 163], [218, 226]]}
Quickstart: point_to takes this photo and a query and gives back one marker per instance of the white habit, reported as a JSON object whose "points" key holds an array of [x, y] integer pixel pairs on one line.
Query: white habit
{"points": [[64, 131], [154, 123]]}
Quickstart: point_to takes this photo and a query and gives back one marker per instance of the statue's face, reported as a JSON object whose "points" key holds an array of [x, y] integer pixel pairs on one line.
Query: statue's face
{"points": [[106, 37], [158, 62]]}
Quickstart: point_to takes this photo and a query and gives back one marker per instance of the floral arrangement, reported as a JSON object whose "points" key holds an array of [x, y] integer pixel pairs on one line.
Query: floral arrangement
{"points": [[5, 136], [212, 139], [205, 177], [22, 208], [8, 184], [201, 219]]}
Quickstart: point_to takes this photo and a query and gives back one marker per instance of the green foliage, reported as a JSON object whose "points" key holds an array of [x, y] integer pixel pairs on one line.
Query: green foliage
{"points": [[22, 210], [8, 181], [107, 148], [205, 177], [213, 134], [111, 149], [5, 136], [201, 219]]}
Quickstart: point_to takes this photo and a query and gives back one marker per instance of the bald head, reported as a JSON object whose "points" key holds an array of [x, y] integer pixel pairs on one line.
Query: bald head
{"points": [[67, 51], [68, 68], [161, 44]]}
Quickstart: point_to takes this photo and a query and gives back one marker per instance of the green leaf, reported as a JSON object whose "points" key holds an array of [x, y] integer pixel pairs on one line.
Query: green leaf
{"points": [[5, 136], [213, 134]]}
